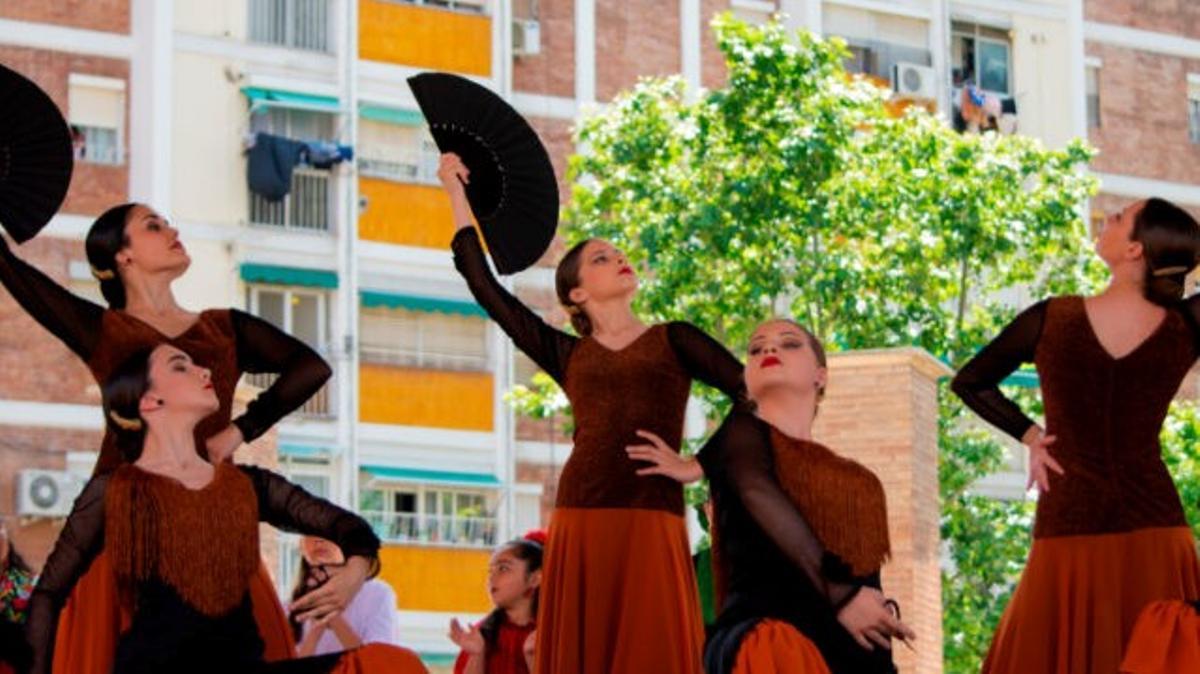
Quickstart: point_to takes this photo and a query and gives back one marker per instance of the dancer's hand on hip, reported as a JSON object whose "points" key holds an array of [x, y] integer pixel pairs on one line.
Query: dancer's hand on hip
{"points": [[869, 620], [222, 445], [467, 638], [1040, 460], [336, 593], [666, 460]]}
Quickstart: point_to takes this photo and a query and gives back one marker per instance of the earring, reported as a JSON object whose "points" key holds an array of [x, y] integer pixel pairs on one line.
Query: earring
{"points": [[161, 402]]}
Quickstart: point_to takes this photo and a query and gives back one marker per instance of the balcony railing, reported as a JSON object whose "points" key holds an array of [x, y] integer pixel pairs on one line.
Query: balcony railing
{"points": [[299, 24], [433, 360], [306, 208], [471, 6], [320, 405], [416, 529]]}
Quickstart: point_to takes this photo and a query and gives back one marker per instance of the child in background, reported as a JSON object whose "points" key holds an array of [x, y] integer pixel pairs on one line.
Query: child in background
{"points": [[369, 618], [503, 642]]}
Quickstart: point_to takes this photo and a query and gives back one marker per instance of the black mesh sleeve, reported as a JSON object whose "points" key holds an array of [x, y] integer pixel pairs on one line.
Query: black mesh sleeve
{"points": [[72, 319], [548, 347], [706, 359], [289, 507], [978, 382], [740, 454], [81, 540], [262, 347]]}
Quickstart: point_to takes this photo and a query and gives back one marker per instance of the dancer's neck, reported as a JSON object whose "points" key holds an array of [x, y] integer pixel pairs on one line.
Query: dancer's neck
{"points": [[791, 412]]}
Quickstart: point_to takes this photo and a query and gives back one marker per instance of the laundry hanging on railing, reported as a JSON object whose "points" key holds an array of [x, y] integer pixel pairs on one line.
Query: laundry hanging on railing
{"points": [[272, 159]]}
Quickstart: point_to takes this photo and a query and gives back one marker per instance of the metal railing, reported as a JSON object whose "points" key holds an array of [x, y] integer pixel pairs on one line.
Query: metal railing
{"points": [[319, 405], [416, 529], [459, 362], [300, 24], [306, 208], [472, 6], [420, 169]]}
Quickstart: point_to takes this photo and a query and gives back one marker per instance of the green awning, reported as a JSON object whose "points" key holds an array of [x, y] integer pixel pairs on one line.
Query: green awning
{"points": [[288, 276], [373, 299], [1023, 379], [299, 451], [398, 116], [260, 97], [438, 659], [389, 473]]}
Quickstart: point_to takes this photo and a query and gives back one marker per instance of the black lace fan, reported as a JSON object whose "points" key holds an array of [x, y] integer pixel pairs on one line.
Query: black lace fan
{"points": [[35, 156], [512, 190]]}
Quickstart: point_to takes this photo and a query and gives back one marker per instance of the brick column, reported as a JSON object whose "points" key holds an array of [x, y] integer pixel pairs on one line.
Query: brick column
{"points": [[264, 452], [881, 409]]}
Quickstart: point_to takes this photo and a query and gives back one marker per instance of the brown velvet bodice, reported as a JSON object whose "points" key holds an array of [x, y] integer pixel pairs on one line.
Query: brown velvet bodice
{"points": [[614, 394], [1106, 414], [210, 341]]}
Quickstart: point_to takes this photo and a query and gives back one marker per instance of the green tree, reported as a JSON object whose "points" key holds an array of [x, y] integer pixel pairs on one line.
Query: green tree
{"points": [[792, 190]]}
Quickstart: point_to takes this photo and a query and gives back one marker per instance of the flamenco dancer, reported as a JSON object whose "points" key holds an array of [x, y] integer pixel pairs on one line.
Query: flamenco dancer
{"points": [[182, 537], [137, 255], [619, 375], [799, 533], [1110, 538]]}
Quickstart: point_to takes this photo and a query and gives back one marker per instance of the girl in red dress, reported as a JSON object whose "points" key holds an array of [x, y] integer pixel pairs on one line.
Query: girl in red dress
{"points": [[503, 642]]}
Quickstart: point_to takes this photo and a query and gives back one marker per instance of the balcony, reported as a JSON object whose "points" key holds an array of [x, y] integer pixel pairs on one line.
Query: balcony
{"points": [[410, 396], [319, 406], [426, 35], [306, 208], [446, 530], [298, 24]]}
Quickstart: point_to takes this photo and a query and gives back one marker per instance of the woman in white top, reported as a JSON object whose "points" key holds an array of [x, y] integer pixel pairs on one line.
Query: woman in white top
{"points": [[370, 617]]}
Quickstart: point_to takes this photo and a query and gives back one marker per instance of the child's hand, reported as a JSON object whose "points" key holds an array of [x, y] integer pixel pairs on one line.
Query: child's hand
{"points": [[468, 639]]}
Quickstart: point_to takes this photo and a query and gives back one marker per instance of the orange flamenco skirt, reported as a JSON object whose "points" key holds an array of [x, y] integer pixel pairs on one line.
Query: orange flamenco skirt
{"points": [[775, 647], [618, 595], [1166, 640], [379, 659], [1080, 596], [93, 620]]}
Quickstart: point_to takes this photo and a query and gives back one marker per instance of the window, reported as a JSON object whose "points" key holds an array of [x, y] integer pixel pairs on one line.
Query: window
{"points": [[301, 24], [878, 41], [432, 515], [304, 314], [428, 339], [981, 56], [309, 204], [96, 110], [1092, 85], [394, 152], [1194, 108], [472, 6]]}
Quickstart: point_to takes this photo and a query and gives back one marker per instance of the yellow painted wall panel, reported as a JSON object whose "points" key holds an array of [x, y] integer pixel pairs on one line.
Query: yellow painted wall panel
{"points": [[405, 214], [421, 397], [437, 579], [425, 37]]}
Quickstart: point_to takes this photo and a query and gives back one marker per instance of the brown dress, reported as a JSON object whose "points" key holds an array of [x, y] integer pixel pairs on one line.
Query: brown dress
{"points": [[229, 342], [185, 559], [1110, 536], [618, 590]]}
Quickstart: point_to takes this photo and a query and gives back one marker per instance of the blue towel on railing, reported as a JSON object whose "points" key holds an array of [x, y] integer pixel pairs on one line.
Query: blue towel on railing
{"points": [[270, 164], [323, 155]]}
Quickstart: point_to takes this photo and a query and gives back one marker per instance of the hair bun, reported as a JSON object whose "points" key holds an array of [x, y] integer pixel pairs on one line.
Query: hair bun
{"points": [[538, 536]]}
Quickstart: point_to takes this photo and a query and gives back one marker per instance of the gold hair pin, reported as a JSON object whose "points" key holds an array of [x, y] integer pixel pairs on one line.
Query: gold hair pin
{"points": [[571, 309], [103, 274], [125, 424], [1167, 271]]}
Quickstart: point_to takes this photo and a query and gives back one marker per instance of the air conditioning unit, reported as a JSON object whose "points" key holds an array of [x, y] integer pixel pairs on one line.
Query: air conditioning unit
{"points": [[527, 37], [47, 493], [910, 80]]}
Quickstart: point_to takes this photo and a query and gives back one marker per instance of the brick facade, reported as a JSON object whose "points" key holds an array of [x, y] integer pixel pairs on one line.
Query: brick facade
{"points": [[1178, 17], [552, 72], [102, 15], [634, 38]]}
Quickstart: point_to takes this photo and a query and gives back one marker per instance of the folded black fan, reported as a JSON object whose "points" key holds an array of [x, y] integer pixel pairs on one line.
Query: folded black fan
{"points": [[35, 156], [512, 190]]}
